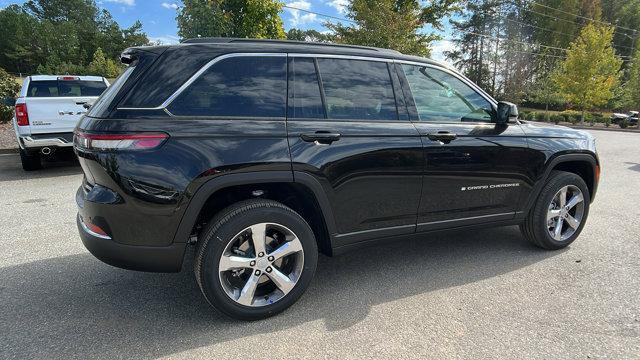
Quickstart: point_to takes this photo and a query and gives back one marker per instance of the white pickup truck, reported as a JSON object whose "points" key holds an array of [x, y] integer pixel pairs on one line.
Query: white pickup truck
{"points": [[47, 110]]}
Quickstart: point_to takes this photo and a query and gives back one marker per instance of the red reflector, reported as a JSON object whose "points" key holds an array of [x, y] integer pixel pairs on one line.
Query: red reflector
{"points": [[22, 117], [96, 229], [138, 141], [68, 78]]}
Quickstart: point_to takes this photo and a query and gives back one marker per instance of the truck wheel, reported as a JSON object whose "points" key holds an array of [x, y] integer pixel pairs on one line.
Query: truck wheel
{"points": [[30, 162], [559, 214], [255, 259]]}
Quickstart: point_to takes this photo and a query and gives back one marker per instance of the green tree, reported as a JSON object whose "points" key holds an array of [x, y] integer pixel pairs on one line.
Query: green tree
{"points": [[61, 34], [102, 66], [393, 24], [307, 35], [230, 18], [631, 97], [591, 70], [8, 89]]}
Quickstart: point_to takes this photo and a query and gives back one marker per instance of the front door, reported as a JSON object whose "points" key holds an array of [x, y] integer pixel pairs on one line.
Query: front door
{"points": [[475, 170], [346, 131]]}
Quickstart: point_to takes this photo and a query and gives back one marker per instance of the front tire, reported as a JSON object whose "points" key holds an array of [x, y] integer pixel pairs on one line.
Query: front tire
{"points": [[30, 162], [255, 259], [559, 214]]}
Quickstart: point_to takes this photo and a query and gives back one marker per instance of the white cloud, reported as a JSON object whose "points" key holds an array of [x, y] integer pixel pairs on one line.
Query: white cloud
{"points": [[123, 2], [300, 17], [438, 48], [173, 6], [165, 40], [340, 5]]}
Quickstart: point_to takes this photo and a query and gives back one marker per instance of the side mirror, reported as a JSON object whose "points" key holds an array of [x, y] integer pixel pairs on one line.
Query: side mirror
{"points": [[506, 111], [9, 101]]}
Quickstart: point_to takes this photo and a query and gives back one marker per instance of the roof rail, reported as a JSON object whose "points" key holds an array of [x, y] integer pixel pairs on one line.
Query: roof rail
{"points": [[221, 40]]}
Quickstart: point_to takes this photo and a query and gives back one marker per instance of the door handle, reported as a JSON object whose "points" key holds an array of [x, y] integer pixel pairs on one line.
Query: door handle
{"points": [[322, 137], [444, 136]]}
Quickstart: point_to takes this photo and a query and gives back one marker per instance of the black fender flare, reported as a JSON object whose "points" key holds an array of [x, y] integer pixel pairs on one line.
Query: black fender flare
{"points": [[551, 164], [202, 194]]}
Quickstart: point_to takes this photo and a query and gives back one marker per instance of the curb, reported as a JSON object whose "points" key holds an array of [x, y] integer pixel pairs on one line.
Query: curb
{"points": [[9, 151], [603, 129]]}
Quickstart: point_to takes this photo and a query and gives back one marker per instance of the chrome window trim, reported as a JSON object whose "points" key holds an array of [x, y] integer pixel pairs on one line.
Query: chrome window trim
{"points": [[341, 57], [212, 62], [198, 73]]}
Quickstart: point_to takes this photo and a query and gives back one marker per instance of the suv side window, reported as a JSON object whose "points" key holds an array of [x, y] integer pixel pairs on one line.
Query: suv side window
{"points": [[305, 100], [441, 97], [244, 86], [357, 89]]}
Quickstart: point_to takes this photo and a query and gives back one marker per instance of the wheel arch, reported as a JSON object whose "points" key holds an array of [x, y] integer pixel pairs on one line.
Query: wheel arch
{"points": [[585, 165], [304, 195]]}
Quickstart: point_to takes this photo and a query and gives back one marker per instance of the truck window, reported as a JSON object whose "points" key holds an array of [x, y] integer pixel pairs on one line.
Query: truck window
{"points": [[65, 88]]}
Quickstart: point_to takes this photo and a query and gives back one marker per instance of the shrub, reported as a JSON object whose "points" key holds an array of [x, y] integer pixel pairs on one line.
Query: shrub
{"points": [[540, 116], [8, 89], [556, 118], [624, 123], [531, 116], [607, 122], [597, 117]]}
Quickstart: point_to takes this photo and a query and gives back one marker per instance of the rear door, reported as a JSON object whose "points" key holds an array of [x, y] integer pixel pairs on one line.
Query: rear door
{"points": [[346, 132], [56, 105], [475, 170]]}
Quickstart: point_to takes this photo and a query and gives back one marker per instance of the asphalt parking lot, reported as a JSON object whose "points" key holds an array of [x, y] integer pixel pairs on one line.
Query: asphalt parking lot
{"points": [[480, 294]]}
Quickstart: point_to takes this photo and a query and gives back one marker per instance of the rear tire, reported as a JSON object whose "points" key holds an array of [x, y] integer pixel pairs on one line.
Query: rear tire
{"points": [[255, 259], [556, 220], [30, 162]]}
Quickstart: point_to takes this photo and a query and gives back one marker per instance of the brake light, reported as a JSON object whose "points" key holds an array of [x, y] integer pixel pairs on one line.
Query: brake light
{"points": [[68, 78], [136, 141], [22, 117]]}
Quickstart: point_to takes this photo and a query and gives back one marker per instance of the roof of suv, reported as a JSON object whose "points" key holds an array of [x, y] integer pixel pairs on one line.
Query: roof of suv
{"points": [[269, 45]]}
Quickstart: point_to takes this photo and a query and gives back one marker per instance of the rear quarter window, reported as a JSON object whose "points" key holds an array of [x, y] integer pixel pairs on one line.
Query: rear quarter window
{"points": [[245, 86], [100, 107]]}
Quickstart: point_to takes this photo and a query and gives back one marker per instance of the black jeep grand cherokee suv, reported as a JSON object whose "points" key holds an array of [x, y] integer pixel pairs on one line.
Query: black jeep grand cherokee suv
{"points": [[264, 153]]}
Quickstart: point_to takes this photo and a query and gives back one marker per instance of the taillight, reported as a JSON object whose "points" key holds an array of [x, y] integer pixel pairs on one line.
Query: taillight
{"points": [[135, 141], [68, 78], [22, 117]]}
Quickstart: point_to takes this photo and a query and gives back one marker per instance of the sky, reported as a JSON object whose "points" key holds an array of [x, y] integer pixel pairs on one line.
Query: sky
{"points": [[158, 17]]}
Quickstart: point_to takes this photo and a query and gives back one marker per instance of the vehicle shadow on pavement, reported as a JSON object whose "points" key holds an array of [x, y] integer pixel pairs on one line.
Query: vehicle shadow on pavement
{"points": [[634, 166], [76, 307], [11, 170]]}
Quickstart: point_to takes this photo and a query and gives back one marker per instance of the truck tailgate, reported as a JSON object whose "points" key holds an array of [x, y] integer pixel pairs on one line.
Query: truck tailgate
{"points": [[55, 114]]}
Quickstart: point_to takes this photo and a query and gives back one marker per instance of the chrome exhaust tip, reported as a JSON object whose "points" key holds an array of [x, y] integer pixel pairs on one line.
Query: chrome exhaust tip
{"points": [[45, 151]]}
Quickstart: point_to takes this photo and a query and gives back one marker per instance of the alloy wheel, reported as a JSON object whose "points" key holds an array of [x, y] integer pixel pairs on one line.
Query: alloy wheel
{"points": [[565, 213], [261, 264]]}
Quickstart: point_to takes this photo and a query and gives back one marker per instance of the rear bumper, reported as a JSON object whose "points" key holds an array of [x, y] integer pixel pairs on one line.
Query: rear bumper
{"points": [[35, 141], [126, 256], [141, 258]]}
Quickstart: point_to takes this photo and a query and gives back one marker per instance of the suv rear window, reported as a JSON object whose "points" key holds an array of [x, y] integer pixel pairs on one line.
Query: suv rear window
{"points": [[65, 88], [247, 86]]}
